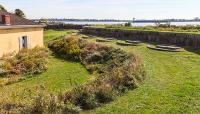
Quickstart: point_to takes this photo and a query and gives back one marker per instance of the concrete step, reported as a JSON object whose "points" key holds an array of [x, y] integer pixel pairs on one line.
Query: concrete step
{"points": [[133, 41], [171, 47], [164, 49], [126, 44]]}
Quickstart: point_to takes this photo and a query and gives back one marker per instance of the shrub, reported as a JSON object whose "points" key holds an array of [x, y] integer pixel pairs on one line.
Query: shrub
{"points": [[117, 72], [27, 61], [10, 80], [127, 24], [67, 48], [82, 96], [70, 108], [39, 105], [105, 93], [44, 103], [86, 100]]}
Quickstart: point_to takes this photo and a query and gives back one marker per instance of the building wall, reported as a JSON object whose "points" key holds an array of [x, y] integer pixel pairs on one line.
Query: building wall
{"points": [[9, 39]]}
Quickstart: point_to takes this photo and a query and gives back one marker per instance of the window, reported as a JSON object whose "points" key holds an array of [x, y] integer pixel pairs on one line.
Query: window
{"points": [[23, 42]]}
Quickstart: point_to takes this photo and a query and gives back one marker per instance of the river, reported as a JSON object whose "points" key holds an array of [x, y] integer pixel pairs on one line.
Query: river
{"points": [[134, 24]]}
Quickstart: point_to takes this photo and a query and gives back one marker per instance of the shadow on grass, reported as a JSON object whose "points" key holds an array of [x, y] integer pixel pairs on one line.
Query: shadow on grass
{"points": [[193, 50]]}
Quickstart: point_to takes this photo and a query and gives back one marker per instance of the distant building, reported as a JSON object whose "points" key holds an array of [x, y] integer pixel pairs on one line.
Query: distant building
{"points": [[17, 33]]}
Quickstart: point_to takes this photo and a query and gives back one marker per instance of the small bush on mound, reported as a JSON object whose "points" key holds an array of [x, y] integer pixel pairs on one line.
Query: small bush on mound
{"points": [[66, 47], [27, 61], [94, 55]]}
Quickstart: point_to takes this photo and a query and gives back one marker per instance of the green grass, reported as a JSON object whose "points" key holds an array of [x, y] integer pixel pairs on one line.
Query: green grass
{"points": [[172, 85], [52, 34], [60, 76], [153, 29]]}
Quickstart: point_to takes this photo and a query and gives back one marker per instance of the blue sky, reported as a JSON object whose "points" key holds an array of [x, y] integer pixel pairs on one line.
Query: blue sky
{"points": [[109, 9]]}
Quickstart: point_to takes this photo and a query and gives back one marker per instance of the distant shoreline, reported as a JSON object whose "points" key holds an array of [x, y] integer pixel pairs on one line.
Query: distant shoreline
{"points": [[122, 23], [131, 21]]}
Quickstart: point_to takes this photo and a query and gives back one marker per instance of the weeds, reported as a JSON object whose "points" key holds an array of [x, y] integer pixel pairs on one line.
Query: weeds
{"points": [[117, 72], [27, 61]]}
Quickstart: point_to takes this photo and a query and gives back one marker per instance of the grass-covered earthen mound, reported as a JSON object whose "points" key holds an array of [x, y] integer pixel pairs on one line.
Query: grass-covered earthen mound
{"points": [[115, 70]]}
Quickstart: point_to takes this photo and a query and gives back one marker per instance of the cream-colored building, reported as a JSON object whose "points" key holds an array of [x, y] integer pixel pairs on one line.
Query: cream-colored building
{"points": [[17, 33]]}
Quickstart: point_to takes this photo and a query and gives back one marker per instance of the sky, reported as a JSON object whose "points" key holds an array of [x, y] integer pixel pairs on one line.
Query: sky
{"points": [[106, 9]]}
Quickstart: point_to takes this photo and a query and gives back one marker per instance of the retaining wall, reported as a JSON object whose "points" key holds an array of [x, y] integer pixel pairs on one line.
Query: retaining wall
{"points": [[181, 39]]}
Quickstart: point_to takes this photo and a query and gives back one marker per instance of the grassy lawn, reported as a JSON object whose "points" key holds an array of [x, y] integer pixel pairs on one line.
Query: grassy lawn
{"points": [[52, 34], [172, 85], [57, 78]]}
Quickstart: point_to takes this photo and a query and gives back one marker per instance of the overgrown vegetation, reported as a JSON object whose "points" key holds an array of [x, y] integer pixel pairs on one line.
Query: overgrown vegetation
{"points": [[172, 85], [66, 48], [60, 76], [117, 72], [27, 61]]}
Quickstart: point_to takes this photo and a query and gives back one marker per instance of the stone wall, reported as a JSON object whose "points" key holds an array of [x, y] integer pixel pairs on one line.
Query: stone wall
{"points": [[181, 39]]}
